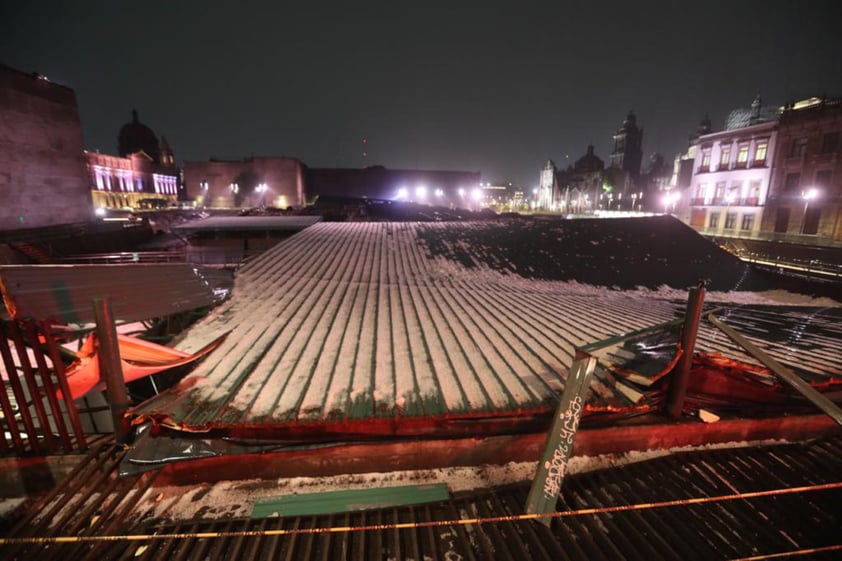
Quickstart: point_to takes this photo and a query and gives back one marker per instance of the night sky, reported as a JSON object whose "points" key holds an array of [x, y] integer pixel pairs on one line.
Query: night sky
{"points": [[479, 86]]}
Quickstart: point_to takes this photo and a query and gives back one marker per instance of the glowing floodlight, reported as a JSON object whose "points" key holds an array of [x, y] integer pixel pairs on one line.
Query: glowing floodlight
{"points": [[421, 192]]}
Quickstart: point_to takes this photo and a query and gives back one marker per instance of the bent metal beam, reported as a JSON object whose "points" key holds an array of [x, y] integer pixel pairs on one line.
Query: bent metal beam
{"points": [[785, 374]]}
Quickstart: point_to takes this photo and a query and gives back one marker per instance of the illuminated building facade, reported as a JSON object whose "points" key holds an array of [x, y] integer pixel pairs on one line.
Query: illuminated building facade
{"points": [[276, 182], [143, 176], [730, 181], [805, 201], [135, 182]]}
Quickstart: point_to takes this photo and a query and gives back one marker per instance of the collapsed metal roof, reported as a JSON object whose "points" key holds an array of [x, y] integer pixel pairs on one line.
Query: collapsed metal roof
{"points": [[373, 327], [64, 293]]}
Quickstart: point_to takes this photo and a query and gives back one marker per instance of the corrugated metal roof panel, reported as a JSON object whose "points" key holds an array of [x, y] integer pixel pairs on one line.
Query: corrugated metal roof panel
{"points": [[247, 223], [782, 501], [361, 321], [64, 293]]}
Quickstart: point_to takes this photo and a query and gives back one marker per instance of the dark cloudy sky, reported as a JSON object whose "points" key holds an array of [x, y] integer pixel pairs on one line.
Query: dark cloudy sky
{"points": [[493, 86]]}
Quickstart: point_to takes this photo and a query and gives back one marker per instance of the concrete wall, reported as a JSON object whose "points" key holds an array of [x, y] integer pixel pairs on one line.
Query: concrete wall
{"points": [[283, 178], [43, 179]]}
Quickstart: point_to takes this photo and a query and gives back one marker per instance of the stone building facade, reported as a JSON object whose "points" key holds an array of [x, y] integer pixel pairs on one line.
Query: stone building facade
{"points": [[805, 200], [132, 183], [578, 189], [627, 153], [43, 181], [143, 176]]}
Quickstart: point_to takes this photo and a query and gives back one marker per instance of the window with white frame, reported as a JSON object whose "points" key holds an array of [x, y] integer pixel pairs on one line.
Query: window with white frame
{"points": [[713, 221], [742, 156], [748, 222], [705, 160], [730, 220], [760, 153], [725, 157]]}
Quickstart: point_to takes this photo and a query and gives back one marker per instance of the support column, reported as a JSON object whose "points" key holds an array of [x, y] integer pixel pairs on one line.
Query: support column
{"points": [[108, 356], [681, 374]]}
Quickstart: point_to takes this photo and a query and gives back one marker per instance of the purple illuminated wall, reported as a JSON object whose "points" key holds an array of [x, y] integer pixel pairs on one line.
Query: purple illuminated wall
{"points": [[43, 178]]}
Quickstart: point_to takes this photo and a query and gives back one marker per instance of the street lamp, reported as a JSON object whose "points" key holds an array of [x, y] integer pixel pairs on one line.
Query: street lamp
{"points": [[262, 188], [670, 200]]}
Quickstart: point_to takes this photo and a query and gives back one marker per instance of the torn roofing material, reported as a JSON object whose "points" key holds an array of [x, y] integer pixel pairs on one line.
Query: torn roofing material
{"points": [[64, 294], [138, 359], [364, 322]]}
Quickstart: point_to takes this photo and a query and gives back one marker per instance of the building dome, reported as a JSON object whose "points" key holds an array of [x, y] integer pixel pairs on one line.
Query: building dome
{"points": [[135, 136], [589, 162]]}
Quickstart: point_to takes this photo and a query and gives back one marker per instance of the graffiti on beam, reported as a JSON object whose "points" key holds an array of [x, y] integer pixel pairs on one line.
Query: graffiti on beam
{"points": [[557, 465]]}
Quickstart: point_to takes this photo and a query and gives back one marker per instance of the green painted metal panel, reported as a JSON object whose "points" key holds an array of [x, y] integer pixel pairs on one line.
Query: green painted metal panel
{"points": [[328, 502], [546, 486]]}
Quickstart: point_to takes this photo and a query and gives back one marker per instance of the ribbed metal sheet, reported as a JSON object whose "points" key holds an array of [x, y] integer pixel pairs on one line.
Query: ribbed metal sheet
{"points": [[804, 339], [64, 293], [93, 502], [246, 224], [370, 320]]}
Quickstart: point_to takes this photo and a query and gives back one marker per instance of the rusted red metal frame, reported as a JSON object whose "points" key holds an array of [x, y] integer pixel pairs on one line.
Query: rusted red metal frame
{"points": [[49, 389], [363, 457], [43, 388], [20, 396], [8, 411], [58, 366], [35, 392]]}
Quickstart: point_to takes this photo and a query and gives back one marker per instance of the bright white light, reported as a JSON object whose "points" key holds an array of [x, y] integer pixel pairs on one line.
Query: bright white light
{"points": [[671, 197], [810, 194], [461, 192], [421, 192], [401, 193], [439, 193], [476, 194], [100, 211]]}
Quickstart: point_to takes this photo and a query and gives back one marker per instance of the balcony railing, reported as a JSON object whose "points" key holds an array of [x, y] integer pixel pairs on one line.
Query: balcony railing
{"points": [[721, 201]]}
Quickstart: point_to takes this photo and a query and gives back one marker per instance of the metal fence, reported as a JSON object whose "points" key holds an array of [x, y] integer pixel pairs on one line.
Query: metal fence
{"points": [[35, 419]]}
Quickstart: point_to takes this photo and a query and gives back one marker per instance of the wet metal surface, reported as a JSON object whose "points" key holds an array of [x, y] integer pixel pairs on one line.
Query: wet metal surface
{"points": [[781, 498]]}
